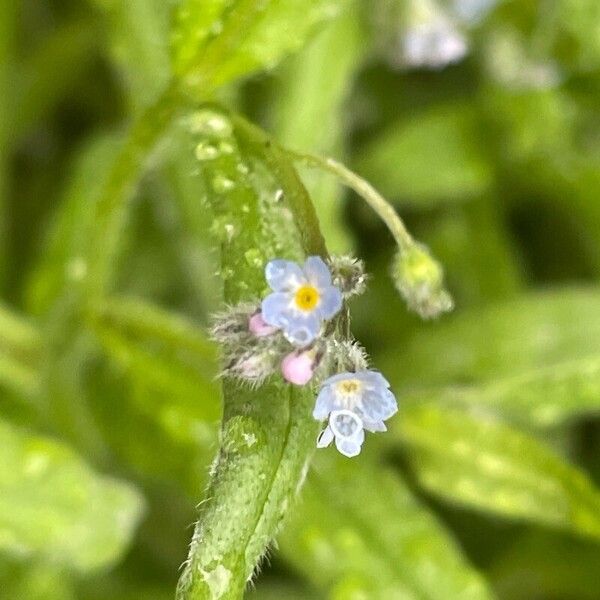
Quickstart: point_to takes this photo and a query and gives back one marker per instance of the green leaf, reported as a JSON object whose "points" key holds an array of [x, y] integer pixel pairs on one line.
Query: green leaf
{"points": [[544, 397], [54, 507], [8, 28], [267, 433], [138, 38], [63, 262], [533, 359], [20, 344], [542, 564], [216, 42], [533, 331], [33, 581], [351, 542], [163, 351], [480, 463], [431, 158], [51, 72]]}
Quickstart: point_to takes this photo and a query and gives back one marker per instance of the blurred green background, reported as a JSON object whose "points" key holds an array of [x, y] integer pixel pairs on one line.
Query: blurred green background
{"points": [[479, 120]]}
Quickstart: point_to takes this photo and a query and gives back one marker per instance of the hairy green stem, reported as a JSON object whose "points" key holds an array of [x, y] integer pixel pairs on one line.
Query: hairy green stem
{"points": [[365, 190]]}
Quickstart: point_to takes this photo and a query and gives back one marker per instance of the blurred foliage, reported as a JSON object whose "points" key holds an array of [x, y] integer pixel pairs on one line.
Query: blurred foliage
{"points": [[122, 230]]}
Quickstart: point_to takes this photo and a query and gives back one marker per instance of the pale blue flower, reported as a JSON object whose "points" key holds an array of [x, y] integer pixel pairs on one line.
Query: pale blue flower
{"points": [[302, 298], [347, 430], [366, 396]]}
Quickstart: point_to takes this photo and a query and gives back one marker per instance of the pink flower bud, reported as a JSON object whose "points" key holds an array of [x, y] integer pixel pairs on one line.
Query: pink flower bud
{"points": [[258, 327], [298, 367]]}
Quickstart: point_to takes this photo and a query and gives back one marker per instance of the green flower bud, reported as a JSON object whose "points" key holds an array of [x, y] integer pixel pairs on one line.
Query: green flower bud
{"points": [[420, 280], [348, 274]]}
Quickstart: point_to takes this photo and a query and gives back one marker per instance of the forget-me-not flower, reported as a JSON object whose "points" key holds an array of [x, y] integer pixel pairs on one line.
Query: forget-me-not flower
{"points": [[302, 298], [353, 402]]}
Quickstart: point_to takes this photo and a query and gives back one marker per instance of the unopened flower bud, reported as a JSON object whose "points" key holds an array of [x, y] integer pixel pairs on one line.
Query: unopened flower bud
{"points": [[348, 275], [258, 326], [252, 366], [420, 280], [298, 367]]}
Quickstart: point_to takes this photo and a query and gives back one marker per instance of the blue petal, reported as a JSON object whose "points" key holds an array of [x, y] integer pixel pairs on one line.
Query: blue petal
{"points": [[373, 379], [330, 303], [325, 438], [274, 308], [284, 275], [301, 329], [325, 404], [378, 405], [317, 272]]}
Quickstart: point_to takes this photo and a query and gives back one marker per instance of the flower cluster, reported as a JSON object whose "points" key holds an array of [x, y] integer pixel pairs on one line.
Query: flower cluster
{"points": [[294, 331]]}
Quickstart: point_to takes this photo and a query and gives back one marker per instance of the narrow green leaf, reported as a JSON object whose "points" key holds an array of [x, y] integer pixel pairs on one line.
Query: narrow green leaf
{"points": [[542, 564], [513, 338], [217, 42], [267, 434], [63, 262], [351, 542], [488, 466], [144, 321], [8, 28], [54, 507], [33, 581], [20, 344], [543, 397], [163, 351], [138, 39], [51, 72], [539, 364], [431, 158]]}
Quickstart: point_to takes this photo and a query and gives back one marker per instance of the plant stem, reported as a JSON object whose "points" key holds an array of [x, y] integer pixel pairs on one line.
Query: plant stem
{"points": [[365, 190]]}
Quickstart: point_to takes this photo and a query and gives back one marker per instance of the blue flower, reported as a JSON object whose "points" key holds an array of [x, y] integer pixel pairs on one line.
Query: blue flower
{"points": [[302, 298], [353, 402], [347, 430]]}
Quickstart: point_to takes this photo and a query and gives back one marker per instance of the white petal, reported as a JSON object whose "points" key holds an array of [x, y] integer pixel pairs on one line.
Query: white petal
{"points": [[317, 272], [301, 329], [325, 404], [345, 424], [378, 405], [339, 377], [284, 275], [330, 302], [325, 438], [274, 308], [373, 379], [350, 447], [374, 426]]}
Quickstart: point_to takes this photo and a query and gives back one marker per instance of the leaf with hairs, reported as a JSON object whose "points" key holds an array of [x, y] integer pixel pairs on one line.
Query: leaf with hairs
{"points": [[483, 464]]}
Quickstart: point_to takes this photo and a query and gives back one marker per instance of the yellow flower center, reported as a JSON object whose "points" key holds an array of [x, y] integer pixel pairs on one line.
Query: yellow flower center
{"points": [[307, 297], [349, 387]]}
